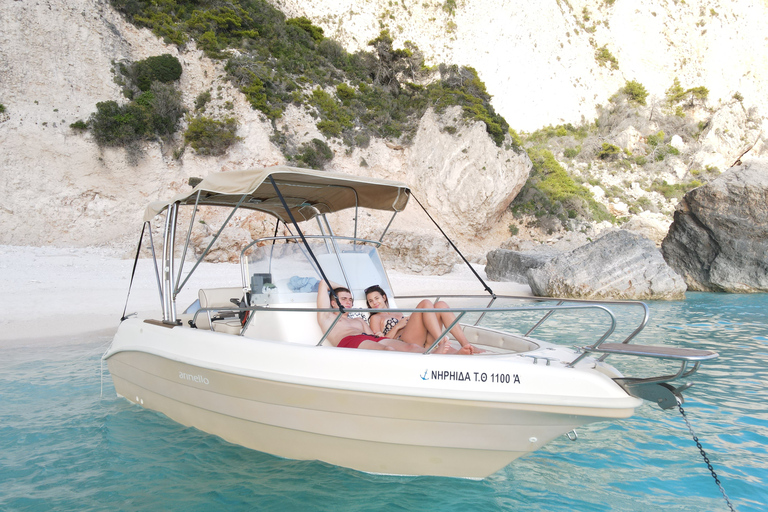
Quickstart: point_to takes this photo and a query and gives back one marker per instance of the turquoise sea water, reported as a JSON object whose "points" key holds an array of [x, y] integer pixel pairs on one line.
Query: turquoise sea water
{"points": [[64, 447]]}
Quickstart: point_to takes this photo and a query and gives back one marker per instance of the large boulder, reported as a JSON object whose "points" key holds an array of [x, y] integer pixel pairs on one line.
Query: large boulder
{"points": [[506, 265], [418, 254], [718, 240], [618, 265]]}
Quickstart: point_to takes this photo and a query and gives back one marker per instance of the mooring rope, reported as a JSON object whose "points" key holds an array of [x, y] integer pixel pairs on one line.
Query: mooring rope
{"points": [[704, 455]]}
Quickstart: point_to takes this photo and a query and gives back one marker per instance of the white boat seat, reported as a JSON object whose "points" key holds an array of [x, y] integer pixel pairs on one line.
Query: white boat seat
{"points": [[497, 339], [219, 298]]}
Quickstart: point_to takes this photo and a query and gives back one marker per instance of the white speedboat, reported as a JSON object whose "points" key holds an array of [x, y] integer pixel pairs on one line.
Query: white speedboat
{"points": [[249, 363]]}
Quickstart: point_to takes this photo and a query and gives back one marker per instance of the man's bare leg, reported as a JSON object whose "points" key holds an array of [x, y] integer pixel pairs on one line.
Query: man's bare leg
{"points": [[400, 346], [372, 345]]}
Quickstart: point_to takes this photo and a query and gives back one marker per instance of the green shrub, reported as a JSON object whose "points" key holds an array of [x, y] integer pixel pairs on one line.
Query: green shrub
{"points": [[345, 93], [572, 152], [676, 94], [202, 100], [161, 68], [335, 117], [550, 193], [314, 154], [120, 125], [635, 92], [304, 24], [655, 139], [167, 108], [79, 125], [154, 113], [676, 191], [660, 150], [2, 108], [644, 203], [609, 151], [605, 58], [462, 86], [517, 141], [210, 136]]}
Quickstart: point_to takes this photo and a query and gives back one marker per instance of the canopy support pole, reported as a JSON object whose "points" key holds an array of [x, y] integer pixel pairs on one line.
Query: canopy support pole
{"points": [[207, 249], [304, 241], [169, 298], [189, 235], [386, 228], [487, 288]]}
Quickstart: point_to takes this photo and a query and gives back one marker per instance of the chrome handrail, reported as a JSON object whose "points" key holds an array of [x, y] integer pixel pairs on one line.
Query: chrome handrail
{"points": [[459, 311], [561, 301]]}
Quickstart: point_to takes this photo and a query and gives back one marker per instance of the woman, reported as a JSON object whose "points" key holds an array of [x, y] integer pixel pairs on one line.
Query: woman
{"points": [[420, 329]]}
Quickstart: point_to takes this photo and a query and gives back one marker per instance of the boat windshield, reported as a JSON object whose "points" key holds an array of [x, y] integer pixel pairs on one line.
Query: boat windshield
{"points": [[277, 270]]}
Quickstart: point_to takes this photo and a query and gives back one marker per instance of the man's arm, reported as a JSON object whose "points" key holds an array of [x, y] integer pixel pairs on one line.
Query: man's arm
{"points": [[323, 302]]}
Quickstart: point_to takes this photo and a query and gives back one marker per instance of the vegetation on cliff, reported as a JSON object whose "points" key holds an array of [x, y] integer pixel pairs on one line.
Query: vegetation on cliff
{"points": [[631, 142], [154, 109], [278, 62]]}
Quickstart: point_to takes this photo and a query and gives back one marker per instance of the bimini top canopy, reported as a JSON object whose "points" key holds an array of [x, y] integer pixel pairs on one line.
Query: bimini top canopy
{"points": [[307, 192]]}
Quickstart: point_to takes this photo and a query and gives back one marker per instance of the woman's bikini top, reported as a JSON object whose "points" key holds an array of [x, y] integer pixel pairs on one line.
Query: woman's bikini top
{"points": [[389, 324]]}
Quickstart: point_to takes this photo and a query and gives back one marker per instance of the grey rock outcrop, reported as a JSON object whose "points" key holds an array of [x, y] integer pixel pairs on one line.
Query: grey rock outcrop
{"points": [[618, 265], [419, 254], [718, 240], [506, 265]]}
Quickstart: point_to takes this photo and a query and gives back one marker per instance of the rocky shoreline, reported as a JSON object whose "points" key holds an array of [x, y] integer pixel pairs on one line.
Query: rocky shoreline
{"points": [[717, 242]]}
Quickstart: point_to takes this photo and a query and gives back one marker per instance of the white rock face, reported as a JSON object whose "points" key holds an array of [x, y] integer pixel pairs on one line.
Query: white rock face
{"points": [[653, 226], [60, 188], [538, 58], [464, 176], [629, 139]]}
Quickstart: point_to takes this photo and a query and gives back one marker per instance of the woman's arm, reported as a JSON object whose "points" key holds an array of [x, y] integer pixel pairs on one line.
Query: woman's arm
{"points": [[399, 326], [376, 324]]}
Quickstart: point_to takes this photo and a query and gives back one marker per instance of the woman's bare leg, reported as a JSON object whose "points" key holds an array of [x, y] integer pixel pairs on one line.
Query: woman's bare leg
{"points": [[422, 326], [446, 319]]}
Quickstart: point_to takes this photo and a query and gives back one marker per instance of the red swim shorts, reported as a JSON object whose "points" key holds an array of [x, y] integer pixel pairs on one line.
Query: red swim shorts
{"points": [[355, 340]]}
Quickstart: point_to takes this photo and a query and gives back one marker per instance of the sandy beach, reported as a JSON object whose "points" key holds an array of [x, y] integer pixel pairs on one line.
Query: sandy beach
{"points": [[60, 293]]}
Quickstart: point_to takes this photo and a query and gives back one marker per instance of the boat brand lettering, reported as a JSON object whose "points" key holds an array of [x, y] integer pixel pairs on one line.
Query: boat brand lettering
{"points": [[194, 378], [501, 378]]}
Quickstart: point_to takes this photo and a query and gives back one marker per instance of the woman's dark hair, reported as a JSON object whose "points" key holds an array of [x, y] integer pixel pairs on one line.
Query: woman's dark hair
{"points": [[376, 288]]}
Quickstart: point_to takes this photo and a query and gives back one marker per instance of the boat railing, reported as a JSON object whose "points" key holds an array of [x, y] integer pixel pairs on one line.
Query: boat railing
{"points": [[549, 311], [459, 313], [654, 388]]}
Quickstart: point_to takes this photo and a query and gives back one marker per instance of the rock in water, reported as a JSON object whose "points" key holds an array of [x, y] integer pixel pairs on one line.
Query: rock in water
{"points": [[506, 265], [718, 240], [618, 265]]}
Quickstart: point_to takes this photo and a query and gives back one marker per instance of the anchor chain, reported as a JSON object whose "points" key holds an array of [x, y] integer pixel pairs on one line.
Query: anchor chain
{"points": [[704, 455]]}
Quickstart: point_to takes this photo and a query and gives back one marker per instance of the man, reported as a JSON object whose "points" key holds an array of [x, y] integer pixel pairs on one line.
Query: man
{"points": [[355, 332]]}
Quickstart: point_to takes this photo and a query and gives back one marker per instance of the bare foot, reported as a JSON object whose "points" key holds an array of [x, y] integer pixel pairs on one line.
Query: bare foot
{"points": [[444, 348], [466, 350]]}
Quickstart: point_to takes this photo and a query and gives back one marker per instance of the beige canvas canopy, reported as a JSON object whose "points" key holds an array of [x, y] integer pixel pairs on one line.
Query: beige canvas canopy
{"points": [[307, 192]]}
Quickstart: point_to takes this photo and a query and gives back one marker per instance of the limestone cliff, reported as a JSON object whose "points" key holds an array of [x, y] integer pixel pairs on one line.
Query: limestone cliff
{"points": [[537, 59], [60, 188]]}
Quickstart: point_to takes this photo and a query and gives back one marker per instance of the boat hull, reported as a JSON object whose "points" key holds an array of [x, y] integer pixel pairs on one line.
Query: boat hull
{"points": [[393, 429]]}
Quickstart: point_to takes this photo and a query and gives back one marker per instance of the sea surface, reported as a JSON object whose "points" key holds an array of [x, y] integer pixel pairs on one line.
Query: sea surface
{"points": [[67, 443]]}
